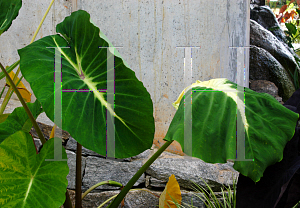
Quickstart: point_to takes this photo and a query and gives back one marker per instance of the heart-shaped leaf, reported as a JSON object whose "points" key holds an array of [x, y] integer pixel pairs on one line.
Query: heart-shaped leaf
{"points": [[8, 12], [268, 125], [27, 179], [84, 74], [18, 120]]}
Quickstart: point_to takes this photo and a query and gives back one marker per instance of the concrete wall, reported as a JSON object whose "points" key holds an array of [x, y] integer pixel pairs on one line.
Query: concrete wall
{"points": [[150, 32]]}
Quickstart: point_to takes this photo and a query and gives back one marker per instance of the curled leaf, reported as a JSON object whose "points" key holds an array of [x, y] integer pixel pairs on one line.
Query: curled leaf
{"points": [[53, 132], [170, 194], [217, 102], [24, 92]]}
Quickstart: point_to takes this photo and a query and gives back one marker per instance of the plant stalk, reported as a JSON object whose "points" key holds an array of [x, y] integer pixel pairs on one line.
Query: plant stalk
{"points": [[9, 69], [8, 94], [32, 119], [3, 106], [78, 199], [115, 203], [42, 21], [111, 183], [2, 92], [33, 38], [2, 75]]}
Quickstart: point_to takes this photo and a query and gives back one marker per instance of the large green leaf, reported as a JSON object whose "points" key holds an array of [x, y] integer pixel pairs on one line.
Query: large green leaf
{"points": [[268, 126], [26, 179], [84, 66], [291, 27], [18, 120], [9, 10]]}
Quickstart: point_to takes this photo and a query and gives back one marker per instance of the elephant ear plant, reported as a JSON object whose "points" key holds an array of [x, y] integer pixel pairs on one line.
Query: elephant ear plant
{"points": [[84, 98], [84, 57], [30, 180]]}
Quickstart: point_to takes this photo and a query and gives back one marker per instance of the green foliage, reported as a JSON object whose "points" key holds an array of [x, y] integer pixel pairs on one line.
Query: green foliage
{"points": [[214, 130], [293, 34], [18, 120], [295, 75], [26, 179], [297, 205], [133, 107], [23, 173]]}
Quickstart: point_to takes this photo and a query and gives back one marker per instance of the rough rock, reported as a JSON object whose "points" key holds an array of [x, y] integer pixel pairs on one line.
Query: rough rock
{"points": [[264, 86], [72, 168], [72, 146], [263, 66], [100, 169], [96, 169], [37, 143], [215, 175], [264, 16], [265, 39], [138, 199], [257, 2], [274, 69]]}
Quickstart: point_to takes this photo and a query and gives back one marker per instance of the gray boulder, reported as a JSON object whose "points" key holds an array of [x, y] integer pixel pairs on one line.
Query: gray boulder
{"points": [[263, 38], [273, 62], [263, 66], [264, 16], [187, 170], [72, 168], [96, 169], [100, 169], [264, 86], [257, 2], [72, 146], [137, 199]]}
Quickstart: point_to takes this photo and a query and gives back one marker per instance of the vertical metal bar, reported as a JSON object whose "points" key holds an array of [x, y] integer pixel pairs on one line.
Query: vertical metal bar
{"points": [[57, 105], [57, 108], [247, 49], [240, 129], [110, 125], [241, 117], [188, 146], [78, 183]]}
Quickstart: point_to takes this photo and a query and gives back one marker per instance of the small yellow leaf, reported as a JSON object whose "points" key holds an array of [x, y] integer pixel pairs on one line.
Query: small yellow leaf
{"points": [[22, 89], [53, 132], [172, 190]]}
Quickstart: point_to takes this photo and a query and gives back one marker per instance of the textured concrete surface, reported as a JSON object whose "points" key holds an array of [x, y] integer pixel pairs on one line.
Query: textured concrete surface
{"points": [[150, 34]]}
